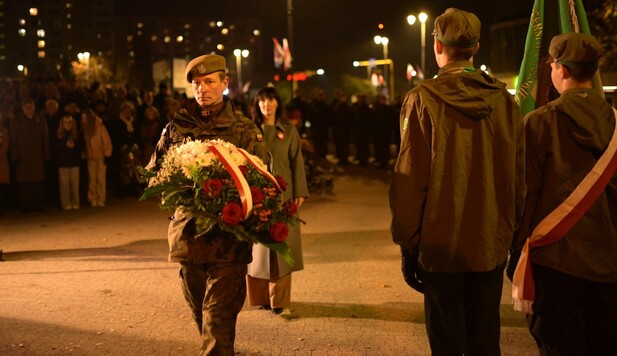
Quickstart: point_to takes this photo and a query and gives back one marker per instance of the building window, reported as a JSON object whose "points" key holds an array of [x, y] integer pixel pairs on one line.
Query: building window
{"points": [[22, 32], [34, 11], [41, 54], [40, 33]]}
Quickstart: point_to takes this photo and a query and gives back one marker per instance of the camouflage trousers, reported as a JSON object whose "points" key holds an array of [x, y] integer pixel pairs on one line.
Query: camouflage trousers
{"points": [[215, 292]]}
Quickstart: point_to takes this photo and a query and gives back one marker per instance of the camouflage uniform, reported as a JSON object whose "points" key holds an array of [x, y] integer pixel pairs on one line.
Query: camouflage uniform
{"points": [[213, 267]]}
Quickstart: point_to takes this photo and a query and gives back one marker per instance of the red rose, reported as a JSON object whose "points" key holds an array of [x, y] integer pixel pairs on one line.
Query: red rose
{"points": [[244, 170], [281, 181], [232, 214], [279, 231], [290, 208], [213, 187], [256, 194]]}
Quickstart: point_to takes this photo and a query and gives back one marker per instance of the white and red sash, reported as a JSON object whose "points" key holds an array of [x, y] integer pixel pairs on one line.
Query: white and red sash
{"points": [[556, 224]]}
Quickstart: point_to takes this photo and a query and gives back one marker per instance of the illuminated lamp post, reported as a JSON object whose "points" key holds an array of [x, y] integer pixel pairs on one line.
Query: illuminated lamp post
{"points": [[239, 54], [384, 42], [85, 56], [422, 17]]}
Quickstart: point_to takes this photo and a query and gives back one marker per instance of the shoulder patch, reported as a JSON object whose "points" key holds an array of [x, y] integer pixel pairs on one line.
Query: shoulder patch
{"points": [[259, 137], [405, 123]]}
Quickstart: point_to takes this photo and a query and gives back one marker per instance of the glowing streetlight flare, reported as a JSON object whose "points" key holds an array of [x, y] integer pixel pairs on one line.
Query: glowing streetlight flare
{"points": [[422, 18]]}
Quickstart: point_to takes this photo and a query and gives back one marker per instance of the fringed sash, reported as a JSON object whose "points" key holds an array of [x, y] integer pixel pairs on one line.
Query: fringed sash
{"points": [[556, 224]]}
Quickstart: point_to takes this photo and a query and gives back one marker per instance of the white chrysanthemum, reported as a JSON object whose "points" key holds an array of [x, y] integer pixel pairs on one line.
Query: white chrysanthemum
{"points": [[237, 158], [258, 162], [187, 172], [205, 159]]}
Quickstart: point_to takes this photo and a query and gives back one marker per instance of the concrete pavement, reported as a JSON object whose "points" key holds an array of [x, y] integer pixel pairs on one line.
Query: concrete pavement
{"points": [[96, 282]]}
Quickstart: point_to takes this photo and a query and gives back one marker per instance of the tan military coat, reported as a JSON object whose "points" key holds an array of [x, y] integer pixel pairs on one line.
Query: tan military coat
{"points": [[457, 191]]}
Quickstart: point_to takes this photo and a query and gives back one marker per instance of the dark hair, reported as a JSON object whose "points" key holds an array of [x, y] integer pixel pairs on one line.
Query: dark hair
{"points": [[460, 54], [582, 72], [266, 93]]}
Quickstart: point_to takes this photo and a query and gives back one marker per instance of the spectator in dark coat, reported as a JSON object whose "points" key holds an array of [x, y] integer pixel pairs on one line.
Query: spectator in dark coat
{"points": [[343, 119], [29, 150], [321, 122], [5, 176]]}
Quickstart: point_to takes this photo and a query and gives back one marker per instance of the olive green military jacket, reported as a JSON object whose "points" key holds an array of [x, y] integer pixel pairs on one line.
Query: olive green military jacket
{"points": [[457, 191], [228, 125], [564, 141]]}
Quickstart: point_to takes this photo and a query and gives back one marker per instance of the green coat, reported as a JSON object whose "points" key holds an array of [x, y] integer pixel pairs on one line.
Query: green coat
{"points": [[457, 191], [283, 143], [228, 125]]}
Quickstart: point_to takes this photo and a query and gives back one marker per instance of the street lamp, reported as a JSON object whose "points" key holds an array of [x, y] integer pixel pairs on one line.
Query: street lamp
{"points": [[85, 55], [422, 17], [239, 53], [384, 42]]}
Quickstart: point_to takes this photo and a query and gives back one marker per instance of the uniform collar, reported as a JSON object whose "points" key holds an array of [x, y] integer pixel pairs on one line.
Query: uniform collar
{"points": [[457, 67]]}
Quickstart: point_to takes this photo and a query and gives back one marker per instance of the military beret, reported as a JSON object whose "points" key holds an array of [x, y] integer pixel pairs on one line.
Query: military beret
{"points": [[204, 65], [457, 28], [575, 48]]}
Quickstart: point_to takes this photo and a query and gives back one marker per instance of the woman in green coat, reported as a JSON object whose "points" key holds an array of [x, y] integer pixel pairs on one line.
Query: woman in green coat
{"points": [[269, 276]]}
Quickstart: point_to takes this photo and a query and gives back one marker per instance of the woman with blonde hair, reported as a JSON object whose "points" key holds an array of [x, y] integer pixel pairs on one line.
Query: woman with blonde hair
{"points": [[98, 150], [68, 148]]}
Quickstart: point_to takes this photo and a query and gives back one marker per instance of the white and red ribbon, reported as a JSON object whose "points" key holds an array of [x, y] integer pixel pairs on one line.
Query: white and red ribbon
{"points": [[243, 186], [267, 174], [241, 183], [556, 224]]}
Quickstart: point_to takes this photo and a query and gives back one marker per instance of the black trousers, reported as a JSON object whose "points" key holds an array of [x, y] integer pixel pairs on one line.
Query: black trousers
{"points": [[573, 316], [462, 312]]}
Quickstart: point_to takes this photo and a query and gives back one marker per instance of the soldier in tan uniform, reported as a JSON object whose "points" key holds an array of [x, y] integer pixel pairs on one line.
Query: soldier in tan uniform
{"points": [[458, 191], [213, 266]]}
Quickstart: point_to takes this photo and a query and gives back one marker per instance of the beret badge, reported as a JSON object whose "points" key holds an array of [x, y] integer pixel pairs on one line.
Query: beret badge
{"points": [[201, 69]]}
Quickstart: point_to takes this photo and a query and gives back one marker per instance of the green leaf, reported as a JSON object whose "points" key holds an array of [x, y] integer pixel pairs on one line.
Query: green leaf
{"points": [[282, 249], [204, 225]]}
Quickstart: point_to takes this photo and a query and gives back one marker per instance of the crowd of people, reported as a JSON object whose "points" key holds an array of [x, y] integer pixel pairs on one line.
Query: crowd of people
{"points": [[34, 141], [60, 142]]}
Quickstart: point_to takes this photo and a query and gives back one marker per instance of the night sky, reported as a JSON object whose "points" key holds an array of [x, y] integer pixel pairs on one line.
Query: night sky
{"points": [[331, 34]]}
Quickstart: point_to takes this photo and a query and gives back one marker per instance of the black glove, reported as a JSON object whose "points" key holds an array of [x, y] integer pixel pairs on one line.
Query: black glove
{"points": [[107, 161], [409, 266], [513, 258]]}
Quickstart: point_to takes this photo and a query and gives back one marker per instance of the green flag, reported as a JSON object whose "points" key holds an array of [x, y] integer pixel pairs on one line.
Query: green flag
{"points": [[531, 91], [527, 84]]}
